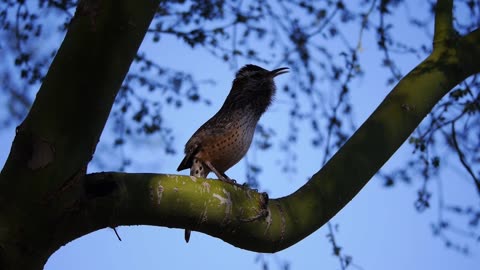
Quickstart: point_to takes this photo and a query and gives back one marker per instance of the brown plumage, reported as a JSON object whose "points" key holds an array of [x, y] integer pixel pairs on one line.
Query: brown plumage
{"points": [[225, 138]]}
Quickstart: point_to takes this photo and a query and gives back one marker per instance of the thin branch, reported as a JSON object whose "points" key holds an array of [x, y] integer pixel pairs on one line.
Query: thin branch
{"points": [[443, 23], [337, 250], [364, 25], [461, 156]]}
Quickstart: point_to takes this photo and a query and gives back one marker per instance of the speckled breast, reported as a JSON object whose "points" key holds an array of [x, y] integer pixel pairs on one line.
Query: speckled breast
{"points": [[230, 146]]}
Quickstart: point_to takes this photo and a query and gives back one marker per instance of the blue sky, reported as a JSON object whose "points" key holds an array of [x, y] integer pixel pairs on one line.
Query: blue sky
{"points": [[380, 227]]}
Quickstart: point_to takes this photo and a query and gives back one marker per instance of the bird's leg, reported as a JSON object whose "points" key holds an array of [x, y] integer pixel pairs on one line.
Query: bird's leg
{"points": [[221, 176], [198, 169]]}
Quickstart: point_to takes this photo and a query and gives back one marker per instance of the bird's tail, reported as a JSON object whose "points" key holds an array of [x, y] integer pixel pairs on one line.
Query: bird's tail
{"points": [[198, 169]]}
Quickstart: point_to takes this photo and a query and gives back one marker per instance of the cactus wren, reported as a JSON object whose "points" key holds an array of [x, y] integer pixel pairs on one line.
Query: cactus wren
{"points": [[225, 138]]}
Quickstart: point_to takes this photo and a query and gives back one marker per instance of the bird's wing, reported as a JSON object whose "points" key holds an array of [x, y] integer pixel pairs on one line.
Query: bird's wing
{"points": [[190, 153], [213, 130]]}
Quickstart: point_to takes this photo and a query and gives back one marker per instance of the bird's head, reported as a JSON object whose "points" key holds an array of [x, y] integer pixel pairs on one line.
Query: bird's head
{"points": [[254, 87], [254, 72]]}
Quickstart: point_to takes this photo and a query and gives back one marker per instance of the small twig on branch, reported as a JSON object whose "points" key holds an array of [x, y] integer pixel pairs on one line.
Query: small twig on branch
{"points": [[461, 156]]}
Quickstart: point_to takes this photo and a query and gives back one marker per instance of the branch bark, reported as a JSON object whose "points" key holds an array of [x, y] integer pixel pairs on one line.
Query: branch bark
{"points": [[443, 23]]}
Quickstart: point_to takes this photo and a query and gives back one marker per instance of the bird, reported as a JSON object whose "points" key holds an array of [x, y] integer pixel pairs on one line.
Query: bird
{"points": [[224, 139]]}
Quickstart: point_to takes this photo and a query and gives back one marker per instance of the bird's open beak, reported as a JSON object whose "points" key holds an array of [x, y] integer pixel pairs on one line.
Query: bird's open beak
{"points": [[278, 71]]}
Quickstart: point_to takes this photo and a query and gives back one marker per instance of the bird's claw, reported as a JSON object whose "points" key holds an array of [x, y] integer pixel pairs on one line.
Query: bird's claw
{"points": [[231, 181], [228, 180]]}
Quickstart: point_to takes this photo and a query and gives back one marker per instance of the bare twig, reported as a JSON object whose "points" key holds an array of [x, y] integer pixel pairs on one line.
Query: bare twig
{"points": [[461, 156]]}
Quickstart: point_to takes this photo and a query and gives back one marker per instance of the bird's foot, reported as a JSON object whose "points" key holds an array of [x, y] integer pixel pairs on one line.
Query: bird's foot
{"points": [[232, 182], [221, 176], [247, 186]]}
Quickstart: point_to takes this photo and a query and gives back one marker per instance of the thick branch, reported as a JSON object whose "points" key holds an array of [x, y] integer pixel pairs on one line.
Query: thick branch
{"points": [[378, 138], [55, 142], [214, 207]]}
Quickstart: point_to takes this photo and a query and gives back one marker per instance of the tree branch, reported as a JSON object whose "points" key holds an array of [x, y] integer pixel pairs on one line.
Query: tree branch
{"points": [[461, 157], [444, 30], [214, 207], [57, 139]]}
